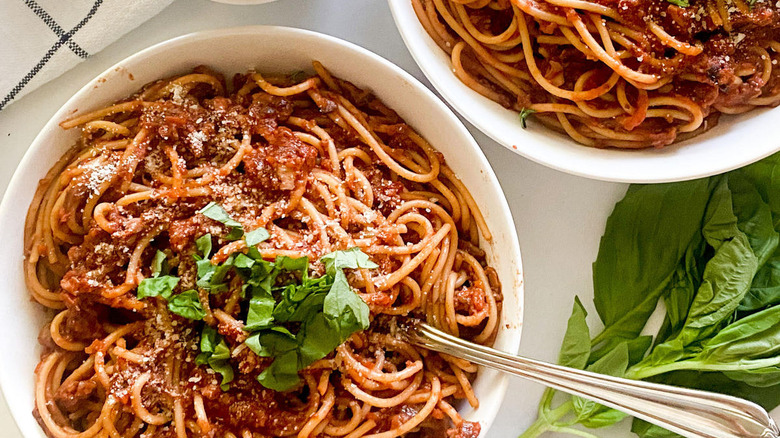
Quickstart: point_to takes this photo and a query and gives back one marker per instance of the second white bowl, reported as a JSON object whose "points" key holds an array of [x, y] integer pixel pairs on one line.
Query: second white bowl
{"points": [[735, 142]]}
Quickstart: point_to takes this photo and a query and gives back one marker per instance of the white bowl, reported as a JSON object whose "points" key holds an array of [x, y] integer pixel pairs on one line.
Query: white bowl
{"points": [[735, 142], [230, 51]]}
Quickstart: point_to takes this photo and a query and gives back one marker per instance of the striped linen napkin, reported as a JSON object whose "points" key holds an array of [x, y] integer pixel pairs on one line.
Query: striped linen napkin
{"points": [[41, 39]]}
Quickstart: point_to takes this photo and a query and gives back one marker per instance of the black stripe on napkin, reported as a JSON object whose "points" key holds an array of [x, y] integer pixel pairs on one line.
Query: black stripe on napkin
{"points": [[46, 18], [39, 66]]}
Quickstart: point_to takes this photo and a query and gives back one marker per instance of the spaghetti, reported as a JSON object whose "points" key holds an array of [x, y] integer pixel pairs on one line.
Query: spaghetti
{"points": [[318, 164], [614, 73]]}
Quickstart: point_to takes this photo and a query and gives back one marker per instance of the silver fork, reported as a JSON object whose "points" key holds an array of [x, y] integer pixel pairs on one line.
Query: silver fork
{"points": [[691, 413]]}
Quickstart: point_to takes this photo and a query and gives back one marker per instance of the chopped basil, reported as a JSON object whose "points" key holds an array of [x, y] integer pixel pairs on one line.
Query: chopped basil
{"points": [[527, 112], [204, 246], [344, 307], [159, 265], [256, 236], [322, 312], [261, 310], [352, 258], [157, 287], [215, 353], [187, 304], [216, 212], [298, 76]]}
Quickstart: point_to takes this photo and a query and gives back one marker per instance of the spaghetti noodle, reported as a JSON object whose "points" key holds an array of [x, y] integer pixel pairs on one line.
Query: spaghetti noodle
{"points": [[614, 73], [318, 164]]}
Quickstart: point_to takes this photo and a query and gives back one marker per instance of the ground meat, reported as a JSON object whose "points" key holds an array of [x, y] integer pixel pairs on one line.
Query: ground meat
{"points": [[83, 323], [467, 429], [250, 406], [470, 299], [73, 393], [182, 233], [266, 106], [281, 162]]}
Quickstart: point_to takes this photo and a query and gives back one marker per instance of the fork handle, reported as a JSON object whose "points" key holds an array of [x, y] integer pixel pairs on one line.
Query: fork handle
{"points": [[688, 412]]}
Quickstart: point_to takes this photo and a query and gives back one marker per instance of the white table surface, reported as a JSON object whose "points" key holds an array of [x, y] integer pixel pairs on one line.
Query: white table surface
{"points": [[559, 217]]}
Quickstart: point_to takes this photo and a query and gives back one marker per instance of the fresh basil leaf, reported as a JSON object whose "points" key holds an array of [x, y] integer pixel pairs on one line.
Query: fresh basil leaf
{"points": [[319, 337], [764, 177], [157, 287], [725, 281], [648, 430], [218, 279], [709, 249], [202, 358], [254, 253], [285, 263], [306, 309], [243, 262], [223, 367], [613, 363], [743, 348], [205, 269], [765, 289], [203, 244], [757, 335], [754, 217], [575, 349], [325, 309], [299, 301], [603, 417], [682, 288], [262, 275], [282, 374], [158, 264], [646, 237], [760, 377], [637, 348], [187, 304], [209, 338], [216, 212], [272, 343], [235, 233], [216, 354], [343, 305], [298, 293], [212, 277], [261, 310], [256, 236], [525, 113], [352, 258]]}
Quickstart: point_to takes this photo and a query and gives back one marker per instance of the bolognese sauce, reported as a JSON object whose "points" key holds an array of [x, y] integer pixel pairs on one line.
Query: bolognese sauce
{"points": [[227, 259]]}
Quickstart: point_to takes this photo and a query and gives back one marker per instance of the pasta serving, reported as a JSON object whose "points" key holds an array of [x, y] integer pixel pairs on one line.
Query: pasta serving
{"points": [[229, 260], [614, 73]]}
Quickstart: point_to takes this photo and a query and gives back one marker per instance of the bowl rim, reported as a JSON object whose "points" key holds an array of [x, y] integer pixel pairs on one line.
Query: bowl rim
{"points": [[37, 146], [415, 37]]}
